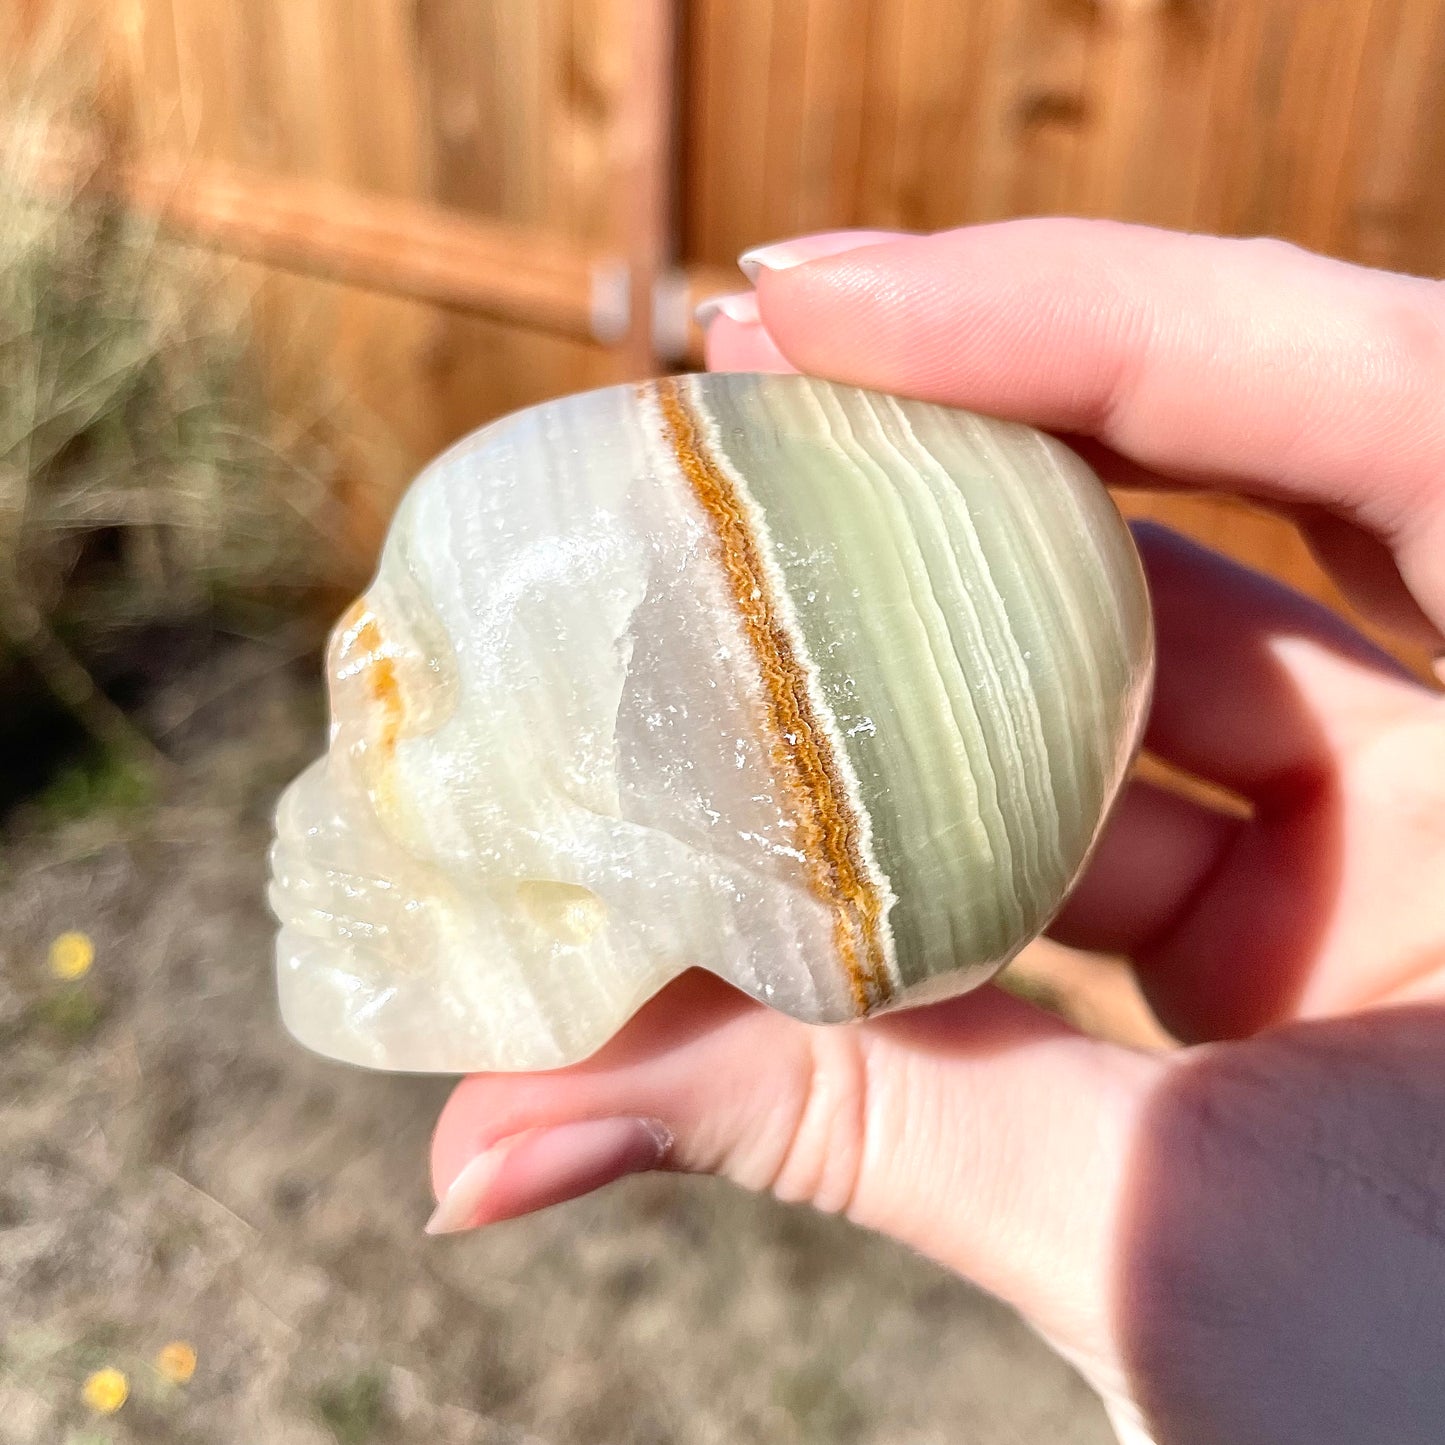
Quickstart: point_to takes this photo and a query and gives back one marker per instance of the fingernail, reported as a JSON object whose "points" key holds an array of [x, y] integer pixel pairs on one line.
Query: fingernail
{"points": [[739, 306], [541, 1167], [779, 255]]}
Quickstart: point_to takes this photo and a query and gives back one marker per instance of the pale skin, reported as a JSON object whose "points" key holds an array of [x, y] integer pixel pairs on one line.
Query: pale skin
{"points": [[1243, 1240]]}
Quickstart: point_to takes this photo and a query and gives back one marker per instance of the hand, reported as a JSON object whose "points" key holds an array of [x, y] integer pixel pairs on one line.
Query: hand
{"points": [[1243, 1240]]}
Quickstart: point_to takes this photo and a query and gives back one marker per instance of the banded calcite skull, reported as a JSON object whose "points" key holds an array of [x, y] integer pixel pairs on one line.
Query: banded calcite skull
{"points": [[822, 690]]}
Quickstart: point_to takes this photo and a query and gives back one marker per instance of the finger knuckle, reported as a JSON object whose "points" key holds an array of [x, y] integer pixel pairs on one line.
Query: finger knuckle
{"points": [[822, 1158], [1402, 774], [1413, 322], [1411, 365]]}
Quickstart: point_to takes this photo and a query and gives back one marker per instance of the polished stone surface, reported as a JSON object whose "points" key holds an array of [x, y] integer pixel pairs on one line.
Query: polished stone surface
{"points": [[822, 690]]}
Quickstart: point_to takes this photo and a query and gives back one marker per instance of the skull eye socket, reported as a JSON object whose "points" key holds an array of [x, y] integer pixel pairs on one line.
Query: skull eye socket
{"points": [[363, 662], [391, 668]]}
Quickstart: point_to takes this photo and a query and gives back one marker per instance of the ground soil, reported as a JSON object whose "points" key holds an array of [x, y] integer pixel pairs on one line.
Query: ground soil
{"points": [[175, 1167]]}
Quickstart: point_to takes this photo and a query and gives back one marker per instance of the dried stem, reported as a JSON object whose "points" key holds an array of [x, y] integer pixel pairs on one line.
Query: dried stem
{"points": [[71, 684]]}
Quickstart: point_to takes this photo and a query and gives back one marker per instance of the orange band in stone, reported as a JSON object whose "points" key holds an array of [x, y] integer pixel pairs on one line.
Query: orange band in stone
{"points": [[358, 641], [359, 647], [802, 751]]}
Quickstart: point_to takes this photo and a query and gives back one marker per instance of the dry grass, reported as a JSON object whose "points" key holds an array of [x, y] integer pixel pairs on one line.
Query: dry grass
{"points": [[177, 1168], [144, 475]]}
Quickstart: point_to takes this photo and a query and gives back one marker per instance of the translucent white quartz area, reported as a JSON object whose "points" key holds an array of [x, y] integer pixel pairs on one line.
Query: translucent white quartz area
{"points": [[579, 802]]}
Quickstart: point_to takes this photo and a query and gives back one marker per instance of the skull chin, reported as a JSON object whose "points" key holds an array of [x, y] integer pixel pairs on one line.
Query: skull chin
{"points": [[394, 960]]}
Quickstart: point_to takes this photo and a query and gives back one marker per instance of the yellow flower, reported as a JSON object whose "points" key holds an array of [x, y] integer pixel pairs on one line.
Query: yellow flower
{"points": [[71, 955], [106, 1391], [176, 1361]]}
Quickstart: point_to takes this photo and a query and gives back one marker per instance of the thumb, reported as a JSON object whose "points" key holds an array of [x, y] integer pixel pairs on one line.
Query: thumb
{"points": [[736, 337], [981, 1131]]}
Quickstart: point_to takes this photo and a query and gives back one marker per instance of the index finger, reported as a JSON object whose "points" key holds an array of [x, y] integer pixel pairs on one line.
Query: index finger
{"points": [[1283, 375]]}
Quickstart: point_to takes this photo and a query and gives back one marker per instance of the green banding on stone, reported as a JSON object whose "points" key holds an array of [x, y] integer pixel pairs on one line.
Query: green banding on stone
{"points": [[934, 562]]}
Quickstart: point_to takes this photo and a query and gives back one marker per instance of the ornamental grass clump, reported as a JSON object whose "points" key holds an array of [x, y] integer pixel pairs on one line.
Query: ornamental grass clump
{"points": [[145, 478]]}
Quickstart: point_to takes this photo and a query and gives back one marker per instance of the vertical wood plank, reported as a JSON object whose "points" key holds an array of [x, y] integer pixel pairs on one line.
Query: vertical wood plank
{"points": [[830, 143], [777, 165], [727, 136], [1389, 212], [942, 123], [1148, 112], [642, 159]]}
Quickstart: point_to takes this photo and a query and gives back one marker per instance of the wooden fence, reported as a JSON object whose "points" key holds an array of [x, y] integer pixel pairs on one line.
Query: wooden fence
{"points": [[467, 205]]}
